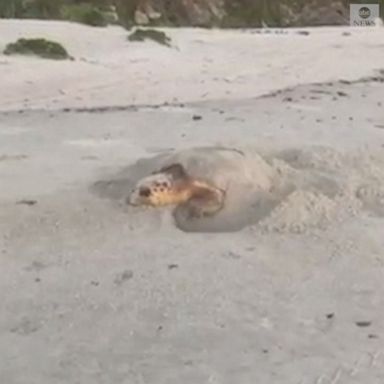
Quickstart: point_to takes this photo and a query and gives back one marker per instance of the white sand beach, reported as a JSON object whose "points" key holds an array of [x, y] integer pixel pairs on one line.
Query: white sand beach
{"points": [[284, 285]]}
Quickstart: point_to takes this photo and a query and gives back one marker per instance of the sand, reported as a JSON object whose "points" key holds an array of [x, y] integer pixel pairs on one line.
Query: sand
{"points": [[282, 286]]}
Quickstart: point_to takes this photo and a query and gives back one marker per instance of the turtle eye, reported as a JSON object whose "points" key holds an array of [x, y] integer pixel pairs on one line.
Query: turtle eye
{"points": [[144, 192]]}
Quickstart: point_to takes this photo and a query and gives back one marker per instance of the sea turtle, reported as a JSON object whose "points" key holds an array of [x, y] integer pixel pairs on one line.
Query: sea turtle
{"points": [[172, 185]]}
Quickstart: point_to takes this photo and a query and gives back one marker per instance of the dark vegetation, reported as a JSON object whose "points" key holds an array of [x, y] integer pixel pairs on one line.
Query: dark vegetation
{"points": [[85, 14], [229, 13], [252, 13], [150, 34], [91, 12], [242, 13], [37, 47]]}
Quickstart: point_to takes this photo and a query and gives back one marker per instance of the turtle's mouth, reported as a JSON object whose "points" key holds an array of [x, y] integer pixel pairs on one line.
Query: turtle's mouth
{"points": [[135, 200]]}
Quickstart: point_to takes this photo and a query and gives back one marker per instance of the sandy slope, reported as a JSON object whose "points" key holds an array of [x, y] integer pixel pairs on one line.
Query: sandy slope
{"points": [[204, 65], [94, 291]]}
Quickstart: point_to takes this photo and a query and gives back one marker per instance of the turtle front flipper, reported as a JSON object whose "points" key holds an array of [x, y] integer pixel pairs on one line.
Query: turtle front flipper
{"points": [[205, 202]]}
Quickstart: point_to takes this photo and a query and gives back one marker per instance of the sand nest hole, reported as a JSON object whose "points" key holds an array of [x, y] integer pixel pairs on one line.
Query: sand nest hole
{"points": [[286, 191]]}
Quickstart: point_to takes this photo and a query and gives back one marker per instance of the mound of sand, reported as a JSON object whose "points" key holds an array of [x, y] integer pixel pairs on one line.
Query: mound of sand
{"points": [[299, 211], [289, 191]]}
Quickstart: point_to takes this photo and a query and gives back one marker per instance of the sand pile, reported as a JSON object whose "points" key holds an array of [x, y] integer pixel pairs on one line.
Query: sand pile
{"points": [[300, 210], [289, 191]]}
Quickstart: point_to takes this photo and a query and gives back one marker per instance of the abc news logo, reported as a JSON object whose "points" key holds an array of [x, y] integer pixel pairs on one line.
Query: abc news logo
{"points": [[364, 12], [364, 15]]}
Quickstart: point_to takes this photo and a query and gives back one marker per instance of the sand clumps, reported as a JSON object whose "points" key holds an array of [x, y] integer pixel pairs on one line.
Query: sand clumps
{"points": [[372, 198], [292, 191], [299, 211]]}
